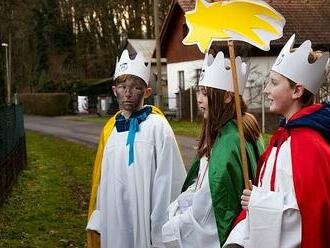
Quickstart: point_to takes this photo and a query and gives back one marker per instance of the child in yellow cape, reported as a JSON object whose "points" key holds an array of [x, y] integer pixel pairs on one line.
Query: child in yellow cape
{"points": [[138, 169]]}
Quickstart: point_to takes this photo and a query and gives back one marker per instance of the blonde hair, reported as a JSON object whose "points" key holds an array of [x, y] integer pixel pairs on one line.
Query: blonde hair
{"points": [[314, 55]]}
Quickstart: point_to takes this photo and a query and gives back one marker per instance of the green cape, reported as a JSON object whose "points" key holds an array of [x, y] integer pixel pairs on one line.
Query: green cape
{"points": [[226, 176]]}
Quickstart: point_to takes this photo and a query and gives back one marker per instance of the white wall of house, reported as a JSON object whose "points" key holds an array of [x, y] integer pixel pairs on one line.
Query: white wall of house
{"points": [[260, 67], [189, 71], [153, 80], [153, 71], [259, 70]]}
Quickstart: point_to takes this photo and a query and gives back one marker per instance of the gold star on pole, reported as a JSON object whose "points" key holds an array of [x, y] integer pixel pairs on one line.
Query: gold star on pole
{"points": [[252, 21]]}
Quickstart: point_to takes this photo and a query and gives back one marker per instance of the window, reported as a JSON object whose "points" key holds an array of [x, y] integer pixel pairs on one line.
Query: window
{"points": [[198, 74], [181, 80]]}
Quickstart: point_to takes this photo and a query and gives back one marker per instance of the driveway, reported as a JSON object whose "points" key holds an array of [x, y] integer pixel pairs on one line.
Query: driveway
{"points": [[87, 133]]}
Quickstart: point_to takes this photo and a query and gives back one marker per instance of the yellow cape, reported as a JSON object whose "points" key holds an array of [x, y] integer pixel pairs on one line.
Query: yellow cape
{"points": [[93, 238]]}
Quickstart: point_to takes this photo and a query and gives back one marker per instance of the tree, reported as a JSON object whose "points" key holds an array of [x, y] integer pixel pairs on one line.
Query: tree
{"points": [[56, 41]]}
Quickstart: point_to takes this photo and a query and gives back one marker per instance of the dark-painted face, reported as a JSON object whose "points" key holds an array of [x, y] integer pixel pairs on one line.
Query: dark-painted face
{"points": [[130, 94]]}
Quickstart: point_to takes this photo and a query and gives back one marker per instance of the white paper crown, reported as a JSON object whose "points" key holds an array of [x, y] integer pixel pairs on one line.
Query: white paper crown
{"points": [[134, 67], [216, 73], [295, 66]]}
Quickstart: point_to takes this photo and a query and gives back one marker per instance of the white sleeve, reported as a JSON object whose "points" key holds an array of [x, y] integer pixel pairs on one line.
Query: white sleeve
{"points": [[238, 235], [169, 177], [94, 222], [272, 221], [196, 226]]}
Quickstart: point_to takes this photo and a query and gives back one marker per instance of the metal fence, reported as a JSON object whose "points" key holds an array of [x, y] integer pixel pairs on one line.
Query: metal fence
{"points": [[12, 147]]}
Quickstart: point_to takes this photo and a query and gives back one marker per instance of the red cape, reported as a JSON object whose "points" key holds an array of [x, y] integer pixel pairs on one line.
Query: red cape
{"points": [[310, 154]]}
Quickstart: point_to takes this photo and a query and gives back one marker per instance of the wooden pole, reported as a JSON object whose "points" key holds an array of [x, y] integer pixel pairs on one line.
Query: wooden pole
{"points": [[263, 108], [239, 114], [9, 66], [158, 57], [191, 104]]}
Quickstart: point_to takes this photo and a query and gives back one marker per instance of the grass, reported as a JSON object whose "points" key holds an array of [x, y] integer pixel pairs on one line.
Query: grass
{"points": [[179, 127], [266, 137], [48, 205], [193, 129], [185, 128]]}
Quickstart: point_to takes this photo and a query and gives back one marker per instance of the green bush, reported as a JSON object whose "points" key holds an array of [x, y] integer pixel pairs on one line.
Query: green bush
{"points": [[50, 104]]}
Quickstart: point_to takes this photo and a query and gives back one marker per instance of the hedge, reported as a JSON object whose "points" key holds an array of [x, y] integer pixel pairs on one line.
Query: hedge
{"points": [[49, 104]]}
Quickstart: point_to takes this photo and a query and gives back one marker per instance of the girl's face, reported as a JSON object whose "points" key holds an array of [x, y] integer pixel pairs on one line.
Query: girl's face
{"points": [[202, 101], [280, 94]]}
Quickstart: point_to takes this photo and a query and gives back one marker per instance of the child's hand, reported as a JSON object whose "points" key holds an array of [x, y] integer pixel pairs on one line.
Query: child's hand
{"points": [[245, 198]]}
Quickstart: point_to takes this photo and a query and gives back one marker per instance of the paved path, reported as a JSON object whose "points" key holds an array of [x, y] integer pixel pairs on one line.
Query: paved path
{"points": [[87, 133]]}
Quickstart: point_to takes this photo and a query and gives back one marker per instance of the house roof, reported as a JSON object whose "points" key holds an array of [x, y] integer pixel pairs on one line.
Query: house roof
{"points": [[144, 46], [307, 19]]}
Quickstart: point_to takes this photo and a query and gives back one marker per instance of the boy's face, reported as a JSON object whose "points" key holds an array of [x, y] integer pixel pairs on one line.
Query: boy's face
{"points": [[280, 95], [130, 94]]}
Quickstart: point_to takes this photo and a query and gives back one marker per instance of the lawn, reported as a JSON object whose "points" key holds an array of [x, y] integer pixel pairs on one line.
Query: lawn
{"points": [[48, 205], [185, 128], [179, 127], [266, 137]]}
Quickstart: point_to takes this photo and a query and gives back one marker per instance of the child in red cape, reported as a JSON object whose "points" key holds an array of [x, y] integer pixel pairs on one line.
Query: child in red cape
{"points": [[289, 206]]}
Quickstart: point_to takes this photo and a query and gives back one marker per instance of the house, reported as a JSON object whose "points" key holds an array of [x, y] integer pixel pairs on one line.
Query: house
{"points": [[146, 47], [307, 19]]}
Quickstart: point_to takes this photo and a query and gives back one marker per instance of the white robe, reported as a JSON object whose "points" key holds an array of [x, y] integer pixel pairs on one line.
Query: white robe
{"points": [[285, 228], [132, 201], [191, 221]]}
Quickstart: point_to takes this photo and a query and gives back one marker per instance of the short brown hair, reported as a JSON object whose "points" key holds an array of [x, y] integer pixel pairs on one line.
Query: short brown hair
{"points": [[308, 97], [123, 78]]}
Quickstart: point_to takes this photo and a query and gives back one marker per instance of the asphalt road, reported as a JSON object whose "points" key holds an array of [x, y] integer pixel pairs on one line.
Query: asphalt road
{"points": [[87, 133]]}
